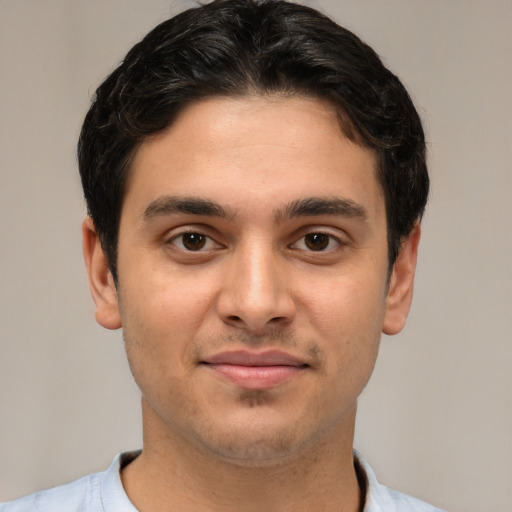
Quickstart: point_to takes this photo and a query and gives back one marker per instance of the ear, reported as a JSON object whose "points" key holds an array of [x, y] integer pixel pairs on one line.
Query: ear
{"points": [[101, 282], [401, 284]]}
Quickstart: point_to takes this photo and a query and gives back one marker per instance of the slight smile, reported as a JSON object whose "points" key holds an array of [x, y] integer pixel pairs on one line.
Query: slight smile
{"points": [[252, 370]]}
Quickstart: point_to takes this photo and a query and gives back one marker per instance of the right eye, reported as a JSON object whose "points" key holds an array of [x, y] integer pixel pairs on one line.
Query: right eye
{"points": [[192, 241]]}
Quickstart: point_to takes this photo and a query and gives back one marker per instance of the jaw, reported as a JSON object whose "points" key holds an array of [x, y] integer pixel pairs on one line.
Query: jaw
{"points": [[256, 431]]}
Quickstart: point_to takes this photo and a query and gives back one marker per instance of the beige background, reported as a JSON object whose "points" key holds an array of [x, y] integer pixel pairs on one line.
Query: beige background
{"points": [[435, 421]]}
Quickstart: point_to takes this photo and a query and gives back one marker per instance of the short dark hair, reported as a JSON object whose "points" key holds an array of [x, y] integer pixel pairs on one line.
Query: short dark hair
{"points": [[240, 47]]}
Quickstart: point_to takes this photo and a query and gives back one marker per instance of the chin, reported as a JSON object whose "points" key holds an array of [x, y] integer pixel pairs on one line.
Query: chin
{"points": [[252, 451], [259, 441]]}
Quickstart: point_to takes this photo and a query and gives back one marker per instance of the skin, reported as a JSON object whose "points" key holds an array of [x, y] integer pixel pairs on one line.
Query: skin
{"points": [[237, 269]]}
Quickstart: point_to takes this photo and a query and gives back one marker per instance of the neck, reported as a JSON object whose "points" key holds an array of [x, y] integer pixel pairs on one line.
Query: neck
{"points": [[173, 475]]}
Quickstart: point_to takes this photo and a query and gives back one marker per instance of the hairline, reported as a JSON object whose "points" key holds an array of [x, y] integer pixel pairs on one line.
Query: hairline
{"points": [[345, 124]]}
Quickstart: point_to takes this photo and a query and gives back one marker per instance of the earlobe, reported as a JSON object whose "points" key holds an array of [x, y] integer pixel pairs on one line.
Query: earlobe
{"points": [[401, 284], [101, 282]]}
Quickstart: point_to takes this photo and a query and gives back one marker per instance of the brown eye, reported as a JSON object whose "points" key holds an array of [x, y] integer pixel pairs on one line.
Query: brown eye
{"points": [[317, 241], [193, 241]]}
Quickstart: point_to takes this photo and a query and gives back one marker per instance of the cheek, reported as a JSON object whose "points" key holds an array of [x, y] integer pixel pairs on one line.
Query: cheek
{"points": [[346, 302], [163, 299], [348, 315], [158, 349], [163, 313]]}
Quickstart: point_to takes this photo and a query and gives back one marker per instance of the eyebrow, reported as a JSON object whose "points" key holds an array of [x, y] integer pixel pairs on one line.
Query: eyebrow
{"points": [[169, 205], [317, 206], [306, 207]]}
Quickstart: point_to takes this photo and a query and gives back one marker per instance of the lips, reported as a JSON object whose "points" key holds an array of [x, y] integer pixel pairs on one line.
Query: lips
{"points": [[251, 370]]}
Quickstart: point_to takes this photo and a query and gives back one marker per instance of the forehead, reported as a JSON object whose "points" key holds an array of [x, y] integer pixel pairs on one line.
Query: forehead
{"points": [[275, 149]]}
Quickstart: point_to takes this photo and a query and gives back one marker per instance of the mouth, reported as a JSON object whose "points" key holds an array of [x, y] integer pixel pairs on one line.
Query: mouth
{"points": [[251, 370]]}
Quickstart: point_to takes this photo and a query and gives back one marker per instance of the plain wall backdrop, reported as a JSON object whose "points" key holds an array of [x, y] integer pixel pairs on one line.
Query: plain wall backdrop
{"points": [[436, 418]]}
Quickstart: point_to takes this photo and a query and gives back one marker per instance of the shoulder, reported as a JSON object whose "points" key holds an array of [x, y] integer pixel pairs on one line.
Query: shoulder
{"points": [[380, 498], [99, 492], [79, 496]]}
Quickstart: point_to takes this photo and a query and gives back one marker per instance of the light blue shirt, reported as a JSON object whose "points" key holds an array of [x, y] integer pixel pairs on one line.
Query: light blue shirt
{"points": [[104, 492]]}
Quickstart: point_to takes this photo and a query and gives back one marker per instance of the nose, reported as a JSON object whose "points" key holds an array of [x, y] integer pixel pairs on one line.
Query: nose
{"points": [[255, 294]]}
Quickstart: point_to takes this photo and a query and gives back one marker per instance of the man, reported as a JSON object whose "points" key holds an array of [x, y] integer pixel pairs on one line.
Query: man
{"points": [[255, 180]]}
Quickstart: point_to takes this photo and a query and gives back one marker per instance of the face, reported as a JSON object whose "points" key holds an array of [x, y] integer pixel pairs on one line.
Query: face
{"points": [[253, 277]]}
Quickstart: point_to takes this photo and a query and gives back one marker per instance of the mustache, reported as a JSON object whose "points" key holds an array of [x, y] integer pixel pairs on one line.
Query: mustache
{"points": [[270, 339]]}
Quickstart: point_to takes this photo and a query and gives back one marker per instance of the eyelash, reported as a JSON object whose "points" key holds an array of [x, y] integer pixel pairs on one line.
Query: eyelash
{"points": [[323, 241], [201, 237], [318, 242]]}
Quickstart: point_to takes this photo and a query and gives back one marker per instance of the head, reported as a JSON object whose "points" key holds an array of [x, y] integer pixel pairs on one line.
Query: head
{"points": [[252, 172], [241, 48]]}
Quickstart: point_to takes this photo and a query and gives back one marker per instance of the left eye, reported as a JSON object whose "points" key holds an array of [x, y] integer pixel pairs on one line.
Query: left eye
{"points": [[316, 242], [193, 241]]}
